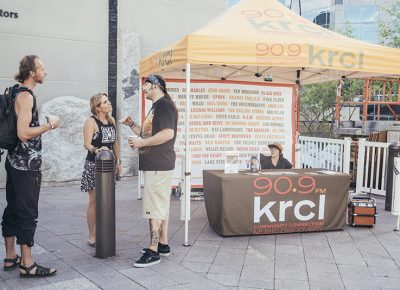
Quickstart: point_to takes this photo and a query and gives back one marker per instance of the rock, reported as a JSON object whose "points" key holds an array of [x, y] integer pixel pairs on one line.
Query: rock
{"points": [[63, 152], [129, 96]]}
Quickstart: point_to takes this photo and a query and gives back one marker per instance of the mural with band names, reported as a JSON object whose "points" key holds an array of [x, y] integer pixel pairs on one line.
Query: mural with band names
{"points": [[232, 116]]}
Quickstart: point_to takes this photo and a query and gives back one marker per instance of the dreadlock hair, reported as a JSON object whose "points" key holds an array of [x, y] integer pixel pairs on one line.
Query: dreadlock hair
{"points": [[26, 65]]}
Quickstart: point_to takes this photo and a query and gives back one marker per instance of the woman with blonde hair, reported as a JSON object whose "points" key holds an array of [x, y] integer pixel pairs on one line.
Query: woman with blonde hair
{"points": [[99, 134]]}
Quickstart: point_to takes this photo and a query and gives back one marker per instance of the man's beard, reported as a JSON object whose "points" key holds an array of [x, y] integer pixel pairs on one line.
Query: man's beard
{"points": [[39, 81]]}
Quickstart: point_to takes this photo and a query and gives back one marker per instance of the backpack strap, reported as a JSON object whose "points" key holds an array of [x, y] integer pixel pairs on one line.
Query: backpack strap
{"points": [[16, 90]]}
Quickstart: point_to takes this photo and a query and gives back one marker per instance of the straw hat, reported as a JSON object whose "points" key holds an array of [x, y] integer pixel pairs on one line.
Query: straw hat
{"points": [[277, 146]]}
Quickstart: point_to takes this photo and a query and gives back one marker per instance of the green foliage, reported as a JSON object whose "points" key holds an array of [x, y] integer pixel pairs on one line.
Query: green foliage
{"points": [[317, 101], [316, 105], [390, 30], [347, 30], [352, 88]]}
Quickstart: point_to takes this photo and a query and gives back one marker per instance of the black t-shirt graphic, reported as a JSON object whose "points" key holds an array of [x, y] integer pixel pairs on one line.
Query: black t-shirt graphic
{"points": [[104, 137], [162, 115]]}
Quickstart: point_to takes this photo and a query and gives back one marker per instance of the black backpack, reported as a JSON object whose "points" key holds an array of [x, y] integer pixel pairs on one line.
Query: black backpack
{"points": [[8, 118]]}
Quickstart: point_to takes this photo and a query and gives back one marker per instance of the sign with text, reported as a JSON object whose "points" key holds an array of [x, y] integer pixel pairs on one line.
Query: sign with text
{"points": [[231, 116], [276, 201]]}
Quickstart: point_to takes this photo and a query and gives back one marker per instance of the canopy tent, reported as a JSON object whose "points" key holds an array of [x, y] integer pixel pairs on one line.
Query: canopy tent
{"points": [[262, 40], [263, 37]]}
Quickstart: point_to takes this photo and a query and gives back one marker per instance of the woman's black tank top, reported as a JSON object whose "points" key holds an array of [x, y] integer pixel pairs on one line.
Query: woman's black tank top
{"points": [[104, 137]]}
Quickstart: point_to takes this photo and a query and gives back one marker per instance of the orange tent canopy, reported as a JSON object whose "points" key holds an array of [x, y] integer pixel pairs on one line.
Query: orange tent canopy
{"points": [[259, 39]]}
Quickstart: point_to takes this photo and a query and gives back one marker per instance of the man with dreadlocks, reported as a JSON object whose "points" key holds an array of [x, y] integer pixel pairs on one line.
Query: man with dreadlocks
{"points": [[157, 160]]}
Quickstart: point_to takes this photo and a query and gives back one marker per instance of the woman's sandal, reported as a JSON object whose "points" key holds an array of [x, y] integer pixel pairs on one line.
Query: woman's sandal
{"points": [[91, 243], [15, 263], [40, 271]]}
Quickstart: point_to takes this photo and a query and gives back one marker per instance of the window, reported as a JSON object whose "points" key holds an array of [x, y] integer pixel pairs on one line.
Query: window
{"points": [[355, 14], [230, 3], [323, 19]]}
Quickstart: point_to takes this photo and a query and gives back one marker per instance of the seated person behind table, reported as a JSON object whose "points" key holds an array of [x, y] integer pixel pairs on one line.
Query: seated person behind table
{"points": [[276, 160]]}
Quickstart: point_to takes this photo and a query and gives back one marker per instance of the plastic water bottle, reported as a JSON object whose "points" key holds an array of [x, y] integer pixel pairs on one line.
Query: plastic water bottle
{"points": [[254, 164]]}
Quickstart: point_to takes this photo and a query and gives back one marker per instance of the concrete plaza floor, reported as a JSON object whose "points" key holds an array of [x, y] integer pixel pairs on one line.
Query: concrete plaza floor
{"points": [[355, 258]]}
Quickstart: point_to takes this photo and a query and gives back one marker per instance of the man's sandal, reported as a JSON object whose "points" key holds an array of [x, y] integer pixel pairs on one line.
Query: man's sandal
{"points": [[15, 263], [40, 271]]}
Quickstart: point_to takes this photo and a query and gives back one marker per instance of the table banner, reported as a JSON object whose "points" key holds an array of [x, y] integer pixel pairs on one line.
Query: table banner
{"points": [[278, 201]]}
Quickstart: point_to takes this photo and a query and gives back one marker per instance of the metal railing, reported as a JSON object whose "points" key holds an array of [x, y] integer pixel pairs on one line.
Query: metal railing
{"points": [[372, 167], [332, 154]]}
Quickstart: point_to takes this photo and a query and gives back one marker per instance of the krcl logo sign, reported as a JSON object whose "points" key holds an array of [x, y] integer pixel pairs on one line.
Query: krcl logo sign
{"points": [[329, 58], [303, 210]]}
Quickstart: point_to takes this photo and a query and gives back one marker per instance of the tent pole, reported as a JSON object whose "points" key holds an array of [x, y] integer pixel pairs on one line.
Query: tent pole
{"points": [[140, 107], [298, 94], [188, 161], [297, 148]]}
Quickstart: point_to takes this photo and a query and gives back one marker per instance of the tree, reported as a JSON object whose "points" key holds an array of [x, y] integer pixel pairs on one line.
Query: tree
{"points": [[389, 31], [317, 105]]}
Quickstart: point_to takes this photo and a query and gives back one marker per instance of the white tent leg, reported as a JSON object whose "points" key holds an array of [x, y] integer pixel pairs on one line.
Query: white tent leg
{"points": [[188, 162]]}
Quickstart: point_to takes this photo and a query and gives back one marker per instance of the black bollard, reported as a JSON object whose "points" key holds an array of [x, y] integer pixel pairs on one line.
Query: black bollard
{"points": [[105, 205], [394, 151]]}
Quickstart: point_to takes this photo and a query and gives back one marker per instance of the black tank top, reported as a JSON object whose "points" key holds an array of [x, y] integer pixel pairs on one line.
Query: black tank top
{"points": [[27, 155], [104, 137]]}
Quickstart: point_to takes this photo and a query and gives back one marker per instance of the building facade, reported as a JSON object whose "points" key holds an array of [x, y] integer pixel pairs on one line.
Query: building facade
{"points": [[360, 18], [72, 38]]}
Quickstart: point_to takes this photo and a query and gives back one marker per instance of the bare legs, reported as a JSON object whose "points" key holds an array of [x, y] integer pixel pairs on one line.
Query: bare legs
{"points": [[9, 242], [91, 216], [158, 233], [164, 232], [26, 255]]}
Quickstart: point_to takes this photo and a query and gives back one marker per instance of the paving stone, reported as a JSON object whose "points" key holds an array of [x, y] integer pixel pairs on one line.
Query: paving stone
{"points": [[355, 258], [358, 277], [285, 271], [386, 270], [230, 256], [150, 278], [205, 254], [322, 268], [388, 283], [321, 277], [78, 283], [197, 266], [235, 242], [288, 239], [318, 253], [289, 252], [347, 253], [224, 279], [286, 284], [259, 283], [21, 283], [326, 285]]}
